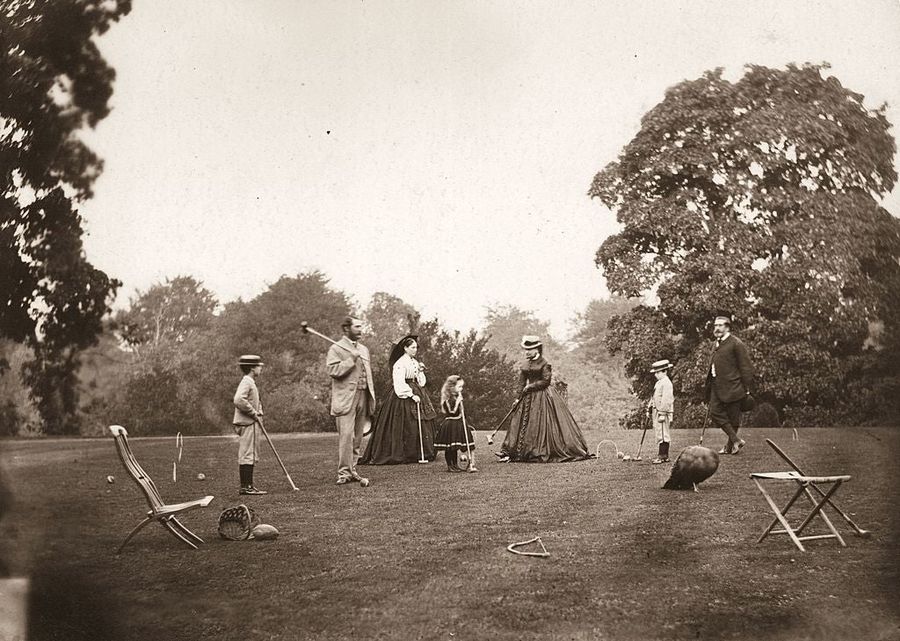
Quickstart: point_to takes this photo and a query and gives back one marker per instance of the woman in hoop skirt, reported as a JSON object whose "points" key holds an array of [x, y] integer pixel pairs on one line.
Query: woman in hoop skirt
{"points": [[541, 428], [395, 431]]}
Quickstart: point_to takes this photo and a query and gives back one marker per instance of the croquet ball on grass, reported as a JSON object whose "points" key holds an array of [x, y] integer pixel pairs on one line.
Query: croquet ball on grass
{"points": [[620, 454], [201, 476], [364, 482], [264, 532], [110, 479]]}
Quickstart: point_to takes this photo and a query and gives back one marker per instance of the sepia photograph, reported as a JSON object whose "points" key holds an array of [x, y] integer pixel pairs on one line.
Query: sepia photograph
{"points": [[378, 320]]}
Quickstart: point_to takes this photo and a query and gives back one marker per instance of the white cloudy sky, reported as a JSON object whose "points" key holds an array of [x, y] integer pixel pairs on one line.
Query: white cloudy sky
{"points": [[439, 151]]}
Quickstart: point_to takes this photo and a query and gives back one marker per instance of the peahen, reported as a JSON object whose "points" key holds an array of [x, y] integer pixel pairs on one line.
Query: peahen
{"points": [[695, 464]]}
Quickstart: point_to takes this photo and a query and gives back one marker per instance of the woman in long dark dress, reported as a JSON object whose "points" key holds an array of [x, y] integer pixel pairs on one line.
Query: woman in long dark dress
{"points": [[541, 428], [395, 431], [454, 436]]}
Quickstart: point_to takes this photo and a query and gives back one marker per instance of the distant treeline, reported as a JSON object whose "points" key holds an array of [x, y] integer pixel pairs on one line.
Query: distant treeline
{"points": [[167, 364]]}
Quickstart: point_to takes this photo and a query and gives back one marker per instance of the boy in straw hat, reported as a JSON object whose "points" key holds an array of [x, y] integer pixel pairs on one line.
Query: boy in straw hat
{"points": [[662, 408], [247, 411]]}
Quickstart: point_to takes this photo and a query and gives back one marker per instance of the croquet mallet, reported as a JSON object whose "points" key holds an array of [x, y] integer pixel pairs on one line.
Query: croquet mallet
{"points": [[280, 462], [502, 421], [422, 458], [469, 463], [304, 326], [705, 421], [646, 423]]}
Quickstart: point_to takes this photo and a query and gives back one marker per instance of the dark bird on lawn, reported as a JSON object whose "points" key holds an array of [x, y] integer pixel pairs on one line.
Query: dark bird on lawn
{"points": [[695, 464]]}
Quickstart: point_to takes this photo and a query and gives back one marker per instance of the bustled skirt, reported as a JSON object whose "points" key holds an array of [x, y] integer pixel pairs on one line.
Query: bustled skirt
{"points": [[395, 431], [543, 430]]}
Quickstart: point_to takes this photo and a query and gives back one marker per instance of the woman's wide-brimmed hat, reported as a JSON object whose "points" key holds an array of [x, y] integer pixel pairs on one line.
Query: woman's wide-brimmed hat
{"points": [[397, 349], [250, 359], [660, 366], [530, 341]]}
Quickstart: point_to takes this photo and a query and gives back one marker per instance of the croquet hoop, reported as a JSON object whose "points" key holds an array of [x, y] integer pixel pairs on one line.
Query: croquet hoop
{"points": [[512, 547]]}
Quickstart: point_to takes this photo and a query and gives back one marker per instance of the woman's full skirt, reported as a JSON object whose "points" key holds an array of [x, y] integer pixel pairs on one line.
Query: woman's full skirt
{"points": [[395, 431], [543, 430]]}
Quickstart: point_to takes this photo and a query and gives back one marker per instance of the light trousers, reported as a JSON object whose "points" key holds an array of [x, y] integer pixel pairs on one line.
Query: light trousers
{"points": [[661, 427], [350, 427], [248, 444]]}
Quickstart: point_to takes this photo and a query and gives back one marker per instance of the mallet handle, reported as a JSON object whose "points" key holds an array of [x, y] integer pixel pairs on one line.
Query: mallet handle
{"points": [[462, 410], [646, 423], [309, 329], [421, 440], [320, 335], [705, 421], [503, 420], [280, 462]]}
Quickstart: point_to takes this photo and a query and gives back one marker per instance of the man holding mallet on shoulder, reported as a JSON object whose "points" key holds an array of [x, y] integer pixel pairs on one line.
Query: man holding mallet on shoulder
{"points": [[352, 397]]}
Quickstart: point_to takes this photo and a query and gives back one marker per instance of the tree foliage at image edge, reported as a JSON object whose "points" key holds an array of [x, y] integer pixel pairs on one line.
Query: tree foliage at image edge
{"points": [[759, 198]]}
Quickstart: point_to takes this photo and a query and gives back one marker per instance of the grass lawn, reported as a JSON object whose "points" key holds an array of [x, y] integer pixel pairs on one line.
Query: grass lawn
{"points": [[421, 553]]}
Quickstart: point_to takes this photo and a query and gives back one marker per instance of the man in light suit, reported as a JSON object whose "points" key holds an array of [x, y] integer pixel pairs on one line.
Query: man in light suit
{"points": [[728, 382], [352, 396]]}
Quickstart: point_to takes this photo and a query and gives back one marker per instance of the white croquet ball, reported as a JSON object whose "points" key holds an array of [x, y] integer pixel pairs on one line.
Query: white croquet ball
{"points": [[364, 483], [110, 479], [264, 532], [620, 454], [201, 476]]}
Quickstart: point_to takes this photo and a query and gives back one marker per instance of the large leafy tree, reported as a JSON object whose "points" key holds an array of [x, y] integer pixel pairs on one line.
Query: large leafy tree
{"points": [[17, 412], [187, 383], [157, 330], [490, 384], [488, 374], [167, 312], [593, 382], [388, 319], [599, 393], [504, 325], [53, 83], [760, 198], [591, 327]]}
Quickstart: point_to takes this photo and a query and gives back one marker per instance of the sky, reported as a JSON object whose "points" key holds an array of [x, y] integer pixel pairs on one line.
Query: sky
{"points": [[437, 151]]}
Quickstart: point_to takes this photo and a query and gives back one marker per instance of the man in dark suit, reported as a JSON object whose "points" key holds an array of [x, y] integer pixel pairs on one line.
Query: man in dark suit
{"points": [[728, 382]]}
